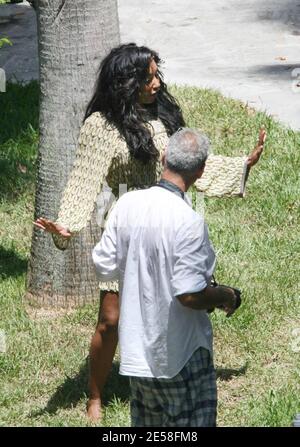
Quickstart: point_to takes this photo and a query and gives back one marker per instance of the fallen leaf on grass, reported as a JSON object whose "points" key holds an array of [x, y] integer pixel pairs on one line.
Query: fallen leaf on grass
{"points": [[22, 168]]}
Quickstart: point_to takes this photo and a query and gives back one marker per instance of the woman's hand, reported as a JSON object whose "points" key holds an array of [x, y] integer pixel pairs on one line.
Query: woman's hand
{"points": [[52, 227], [257, 151]]}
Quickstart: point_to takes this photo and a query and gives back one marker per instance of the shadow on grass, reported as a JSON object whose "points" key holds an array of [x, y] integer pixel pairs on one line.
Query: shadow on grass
{"points": [[75, 388], [19, 108], [11, 264], [13, 182], [18, 139], [227, 374]]}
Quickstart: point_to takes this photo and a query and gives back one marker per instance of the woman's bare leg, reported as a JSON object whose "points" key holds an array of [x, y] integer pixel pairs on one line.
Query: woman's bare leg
{"points": [[103, 347]]}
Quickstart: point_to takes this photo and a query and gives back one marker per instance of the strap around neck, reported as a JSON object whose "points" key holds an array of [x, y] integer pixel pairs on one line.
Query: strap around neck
{"points": [[170, 187]]}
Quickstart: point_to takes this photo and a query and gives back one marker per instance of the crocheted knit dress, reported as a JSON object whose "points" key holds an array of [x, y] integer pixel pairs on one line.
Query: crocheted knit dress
{"points": [[103, 158]]}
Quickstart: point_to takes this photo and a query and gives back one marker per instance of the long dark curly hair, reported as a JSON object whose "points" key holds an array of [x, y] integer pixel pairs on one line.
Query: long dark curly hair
{"points": [[122, 74]]}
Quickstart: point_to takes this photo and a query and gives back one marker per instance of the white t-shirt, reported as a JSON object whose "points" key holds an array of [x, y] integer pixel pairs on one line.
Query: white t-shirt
{"points": [[158, 248]]}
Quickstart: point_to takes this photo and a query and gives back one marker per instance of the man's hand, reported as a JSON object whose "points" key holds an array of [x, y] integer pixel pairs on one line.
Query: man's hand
{"points": [[52, 227], [230, 304], [222, 297], [257, 151]]}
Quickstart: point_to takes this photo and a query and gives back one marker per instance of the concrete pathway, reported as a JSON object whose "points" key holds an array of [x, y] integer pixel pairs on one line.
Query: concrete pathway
{"points": [[20, 61], [247, 49]]}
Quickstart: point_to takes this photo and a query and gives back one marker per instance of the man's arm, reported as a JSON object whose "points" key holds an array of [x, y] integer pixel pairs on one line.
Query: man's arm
{"points": [[194, 263], [210, 297]]}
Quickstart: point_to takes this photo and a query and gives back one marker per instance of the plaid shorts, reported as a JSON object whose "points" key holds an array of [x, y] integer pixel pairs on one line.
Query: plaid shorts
{"points": [[187, 400]]}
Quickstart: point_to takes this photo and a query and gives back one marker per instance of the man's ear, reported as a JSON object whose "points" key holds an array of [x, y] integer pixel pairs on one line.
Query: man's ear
{"points": [[200, 172]]}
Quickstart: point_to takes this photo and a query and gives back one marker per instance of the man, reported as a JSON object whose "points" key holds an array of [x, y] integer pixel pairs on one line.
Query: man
{"points": [[159, 249]]}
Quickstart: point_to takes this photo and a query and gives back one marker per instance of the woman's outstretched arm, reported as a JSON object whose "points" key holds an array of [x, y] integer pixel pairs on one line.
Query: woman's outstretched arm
{"points": [[93, 159], [227, 176]]}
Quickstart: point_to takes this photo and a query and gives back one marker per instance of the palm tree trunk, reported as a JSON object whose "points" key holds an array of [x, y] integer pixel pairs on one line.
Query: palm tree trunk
{"points": [[73, 38]]}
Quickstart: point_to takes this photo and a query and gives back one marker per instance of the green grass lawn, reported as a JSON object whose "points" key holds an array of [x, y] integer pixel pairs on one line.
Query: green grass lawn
{"points": [[43, 372]]}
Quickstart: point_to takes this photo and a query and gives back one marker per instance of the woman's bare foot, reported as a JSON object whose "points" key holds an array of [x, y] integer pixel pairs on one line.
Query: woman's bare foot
{"points": [[94, 411]]}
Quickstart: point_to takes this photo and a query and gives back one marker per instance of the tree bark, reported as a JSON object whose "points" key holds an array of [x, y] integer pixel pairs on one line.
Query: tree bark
{"points": [[73, 38]]}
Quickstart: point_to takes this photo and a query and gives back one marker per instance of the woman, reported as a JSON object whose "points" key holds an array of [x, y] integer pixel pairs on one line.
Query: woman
{"points": [[126, 128]]}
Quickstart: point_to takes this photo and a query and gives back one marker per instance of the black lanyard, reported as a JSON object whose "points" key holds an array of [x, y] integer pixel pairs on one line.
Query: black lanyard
{"points": [[170, 187]]}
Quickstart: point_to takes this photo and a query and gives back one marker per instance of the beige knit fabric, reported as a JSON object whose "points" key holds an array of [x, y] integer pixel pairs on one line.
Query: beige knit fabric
{"points": [[103, 155]]}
